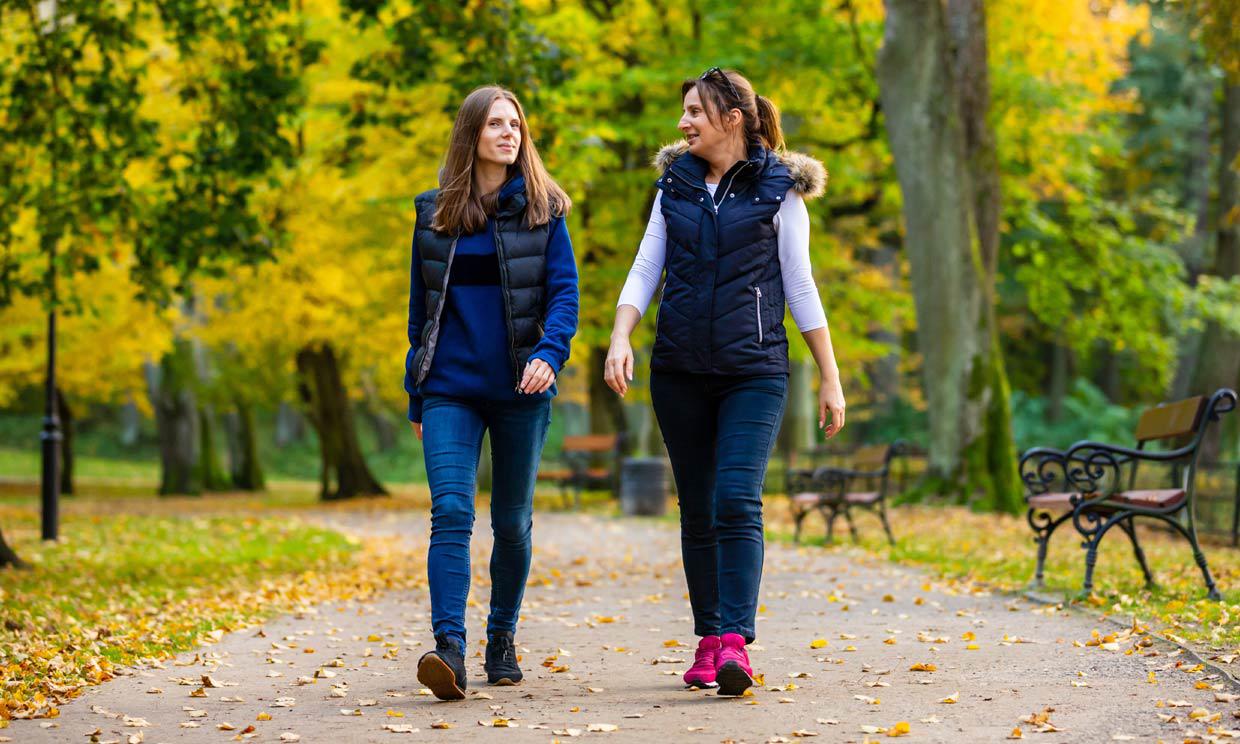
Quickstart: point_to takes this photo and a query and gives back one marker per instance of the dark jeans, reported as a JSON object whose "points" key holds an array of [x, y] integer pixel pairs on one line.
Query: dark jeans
{"points": [[719, 433], [452, 431]]}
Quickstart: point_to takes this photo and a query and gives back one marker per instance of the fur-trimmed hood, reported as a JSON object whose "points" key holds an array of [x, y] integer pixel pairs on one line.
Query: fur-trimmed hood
{"points": [[809, 175]]}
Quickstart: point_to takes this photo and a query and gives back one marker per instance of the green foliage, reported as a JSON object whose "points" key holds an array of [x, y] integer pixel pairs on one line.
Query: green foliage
{"points": [[1086, 414], [69, 126]]}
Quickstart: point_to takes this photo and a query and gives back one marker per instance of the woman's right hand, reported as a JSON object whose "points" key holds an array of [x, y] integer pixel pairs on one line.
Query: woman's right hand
{"points": [[618, 369], [417, 429]]}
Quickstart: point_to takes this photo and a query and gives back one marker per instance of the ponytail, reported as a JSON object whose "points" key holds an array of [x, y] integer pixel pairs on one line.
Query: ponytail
{"points": [[768, 129]]}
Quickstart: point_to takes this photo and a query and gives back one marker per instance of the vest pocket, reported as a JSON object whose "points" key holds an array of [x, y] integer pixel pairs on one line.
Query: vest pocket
{"points": [[757, 309]]}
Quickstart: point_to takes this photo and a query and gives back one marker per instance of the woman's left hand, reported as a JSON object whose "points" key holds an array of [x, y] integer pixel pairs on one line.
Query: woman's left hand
{"points": [[538, 377], [830, 399]]}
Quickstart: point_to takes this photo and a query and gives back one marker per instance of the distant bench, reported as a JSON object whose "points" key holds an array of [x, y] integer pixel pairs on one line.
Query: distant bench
{"points": [[833, 491], [576, 471]]}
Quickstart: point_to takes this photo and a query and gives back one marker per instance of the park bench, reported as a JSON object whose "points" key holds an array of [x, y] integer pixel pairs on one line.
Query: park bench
{"points": [[833, 491], [578, 453], [1094, 484]]}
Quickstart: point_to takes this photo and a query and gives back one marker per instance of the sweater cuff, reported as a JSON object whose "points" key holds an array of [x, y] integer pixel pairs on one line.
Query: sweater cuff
{"points": [[549, 358], [415, 409]]}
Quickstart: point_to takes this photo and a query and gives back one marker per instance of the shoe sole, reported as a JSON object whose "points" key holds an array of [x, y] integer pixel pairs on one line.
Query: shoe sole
{"points": [[732, 680], [438, 677], [503, 682]]}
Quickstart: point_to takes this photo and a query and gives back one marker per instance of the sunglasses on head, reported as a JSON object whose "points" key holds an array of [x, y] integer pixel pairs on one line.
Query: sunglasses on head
{"points": [[722, 76]]}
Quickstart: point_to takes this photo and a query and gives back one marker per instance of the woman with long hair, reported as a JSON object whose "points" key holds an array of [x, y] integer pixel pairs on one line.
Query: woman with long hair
{"points": [[492, 309], [730, 228]]}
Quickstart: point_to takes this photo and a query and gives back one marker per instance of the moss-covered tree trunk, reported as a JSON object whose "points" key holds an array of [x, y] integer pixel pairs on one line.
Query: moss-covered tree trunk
{"points": [[327, 405], [66, 443], [971, 450], [7, 556], [1219, 363]]}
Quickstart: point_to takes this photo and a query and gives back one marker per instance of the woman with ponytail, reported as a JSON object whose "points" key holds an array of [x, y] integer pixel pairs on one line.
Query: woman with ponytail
{"points": [[492, 309], [730, 229]]}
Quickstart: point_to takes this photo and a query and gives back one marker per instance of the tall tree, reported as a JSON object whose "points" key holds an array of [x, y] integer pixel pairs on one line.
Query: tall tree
{"points": [[236, 90], [1219, 363], [971, 445], [69, 127]]}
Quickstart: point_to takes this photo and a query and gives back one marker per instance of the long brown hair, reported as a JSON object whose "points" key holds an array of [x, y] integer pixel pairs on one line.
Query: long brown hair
{"points": [[724, 90], [459, 209]]}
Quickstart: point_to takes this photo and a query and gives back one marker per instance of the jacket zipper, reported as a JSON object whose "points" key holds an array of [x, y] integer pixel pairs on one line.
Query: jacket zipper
{"points": [[757, 309], [503, 278], [443, 300]]}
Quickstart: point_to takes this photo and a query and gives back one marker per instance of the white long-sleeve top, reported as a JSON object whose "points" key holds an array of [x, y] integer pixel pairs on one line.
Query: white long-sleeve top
{"points": [[792, 227]]}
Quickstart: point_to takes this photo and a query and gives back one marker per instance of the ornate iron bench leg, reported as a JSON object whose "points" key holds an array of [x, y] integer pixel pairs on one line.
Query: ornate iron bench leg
{"points": [[830, 520], [882, 514], [798, 516], [1093, 538], [1130, 529], [852, 527], [1044, 524]]}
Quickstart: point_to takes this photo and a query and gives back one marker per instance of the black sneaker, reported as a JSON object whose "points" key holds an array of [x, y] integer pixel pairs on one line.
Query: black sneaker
{"points": [[443, 670], [501, 663]]}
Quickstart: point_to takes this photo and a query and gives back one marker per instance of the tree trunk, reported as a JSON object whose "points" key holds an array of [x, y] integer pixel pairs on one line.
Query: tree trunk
{"points": [[971, 448], [1057, 389], [176, 420], [797, 432], [884, 372], [327, 405], [130, 421], [606, 408], [213, 476], [290, 425], [1219, 363], [244, 467], [66, 443], [7, 556]]}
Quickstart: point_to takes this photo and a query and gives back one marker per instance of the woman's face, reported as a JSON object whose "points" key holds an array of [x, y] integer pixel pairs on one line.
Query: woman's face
{"points": [[500, 139], [700, 132]]}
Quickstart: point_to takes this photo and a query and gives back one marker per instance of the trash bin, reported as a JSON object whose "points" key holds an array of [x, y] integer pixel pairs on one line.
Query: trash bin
{"points": [[643, 486]]}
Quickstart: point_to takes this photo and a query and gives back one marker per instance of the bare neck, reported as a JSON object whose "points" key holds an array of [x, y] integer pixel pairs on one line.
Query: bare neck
{"points": [[489, 176], [722, 161]]}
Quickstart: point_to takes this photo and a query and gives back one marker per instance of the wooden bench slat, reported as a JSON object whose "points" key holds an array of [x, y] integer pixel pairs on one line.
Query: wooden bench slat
{"points": [[862, 497], [1159, 498], [1057, 501], [589, 443], [1171, 419]]}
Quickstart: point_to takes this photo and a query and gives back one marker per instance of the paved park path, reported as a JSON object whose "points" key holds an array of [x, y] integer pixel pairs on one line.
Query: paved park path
{"points": [[837, 637]]}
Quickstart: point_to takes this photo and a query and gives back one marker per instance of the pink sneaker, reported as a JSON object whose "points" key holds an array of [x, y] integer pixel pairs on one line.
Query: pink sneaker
{"points": [[702, 673], [733, 672]]}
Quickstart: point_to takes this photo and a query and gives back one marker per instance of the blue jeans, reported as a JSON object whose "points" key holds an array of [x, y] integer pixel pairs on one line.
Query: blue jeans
{"points": [[452, 430], [719, 431]]}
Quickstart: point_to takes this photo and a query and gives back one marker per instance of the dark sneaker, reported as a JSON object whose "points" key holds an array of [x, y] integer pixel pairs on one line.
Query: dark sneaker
{"points": [[501, 663], [443, 670]]}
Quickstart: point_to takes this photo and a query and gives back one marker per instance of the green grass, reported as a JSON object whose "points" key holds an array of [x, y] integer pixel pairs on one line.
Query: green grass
{"points": [[998, 550], [123, 586]]}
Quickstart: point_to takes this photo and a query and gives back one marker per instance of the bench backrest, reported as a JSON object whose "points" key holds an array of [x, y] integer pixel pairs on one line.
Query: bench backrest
{"points": [[590, 443], [1170, 420], [870, 457]]}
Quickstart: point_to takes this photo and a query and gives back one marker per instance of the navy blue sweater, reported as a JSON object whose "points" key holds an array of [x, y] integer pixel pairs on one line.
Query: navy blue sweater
{"points": [[472, 359]]}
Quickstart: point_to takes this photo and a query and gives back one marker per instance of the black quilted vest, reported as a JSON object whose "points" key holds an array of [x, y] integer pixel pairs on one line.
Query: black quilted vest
{"points": [[522, 253], [722, 310]]}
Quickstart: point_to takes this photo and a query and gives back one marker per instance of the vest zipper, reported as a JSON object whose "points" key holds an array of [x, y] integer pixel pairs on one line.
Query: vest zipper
{"points": [[757, 308], [443, 300], [503, 280]]}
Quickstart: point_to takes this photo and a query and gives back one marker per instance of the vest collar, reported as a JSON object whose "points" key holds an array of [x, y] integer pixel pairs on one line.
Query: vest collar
{"points": [[512, 199], [693, 169]]}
